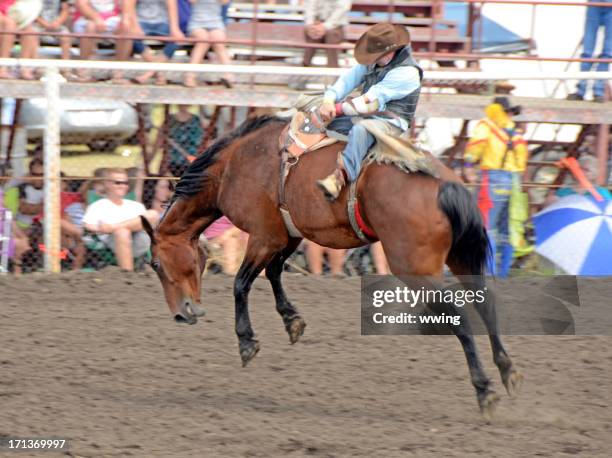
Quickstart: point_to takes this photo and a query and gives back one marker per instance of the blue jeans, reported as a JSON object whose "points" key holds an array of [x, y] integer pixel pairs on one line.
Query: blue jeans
{"points": [[498, 224], [596, 17], [359, 142], [155, 29]]}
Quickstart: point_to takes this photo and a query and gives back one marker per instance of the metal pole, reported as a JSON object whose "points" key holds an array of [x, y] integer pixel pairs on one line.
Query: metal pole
{"points": [[52, 172], [603, 139]]}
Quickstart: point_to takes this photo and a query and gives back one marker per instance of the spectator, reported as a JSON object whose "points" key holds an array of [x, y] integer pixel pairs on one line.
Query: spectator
{"points": [[18, 15], [25, 201], [379, 259], [154, 18], [185, 133], [596, 17], [325, 21], [72, 211], [117, 220], [19, 242], [53, 18], [502, 153], [206, 24], [223, 235], [314, 257], [101, 17], [225, 6], [156, 194]]}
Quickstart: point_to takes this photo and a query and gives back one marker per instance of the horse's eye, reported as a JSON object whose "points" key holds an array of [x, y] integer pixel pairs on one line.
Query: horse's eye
{"points": [[155, 264]]}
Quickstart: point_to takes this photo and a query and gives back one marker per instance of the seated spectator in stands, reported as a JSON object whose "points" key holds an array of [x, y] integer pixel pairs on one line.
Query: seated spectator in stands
{"points": [[185, 133], [117, 220], [25, 201], [72, 212], [94, 189], [156, 194], [14, 16], [54, 18], [101, 17], [154, 18], [206, 23], [223, 236], [314, 257], [325, 21], [19, 242]]}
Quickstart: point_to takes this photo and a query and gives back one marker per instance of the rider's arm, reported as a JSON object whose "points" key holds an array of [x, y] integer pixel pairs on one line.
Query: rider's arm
{"points": [[398, 83], [345, 84]]}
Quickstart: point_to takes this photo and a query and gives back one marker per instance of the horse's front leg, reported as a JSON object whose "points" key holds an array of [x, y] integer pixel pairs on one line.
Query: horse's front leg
{"points": [[259, 254], [294, 324]]}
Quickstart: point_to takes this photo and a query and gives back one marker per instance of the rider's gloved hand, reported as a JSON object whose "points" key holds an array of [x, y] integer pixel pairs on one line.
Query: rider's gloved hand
{"points": [[327, 110]]}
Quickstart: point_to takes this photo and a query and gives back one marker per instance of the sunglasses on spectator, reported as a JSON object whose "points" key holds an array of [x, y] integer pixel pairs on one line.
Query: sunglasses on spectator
{"points": [[119, 183]]}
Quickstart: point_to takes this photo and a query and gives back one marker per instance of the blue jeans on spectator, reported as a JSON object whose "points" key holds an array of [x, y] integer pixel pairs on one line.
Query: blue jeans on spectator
{"points": [[155, 29], [359, 142], [224, 10], [498, 225], [596, 17]]}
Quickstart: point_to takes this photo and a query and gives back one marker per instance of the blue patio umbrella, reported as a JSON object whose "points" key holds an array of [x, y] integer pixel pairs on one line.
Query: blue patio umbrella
{"points": [[575, 233]]}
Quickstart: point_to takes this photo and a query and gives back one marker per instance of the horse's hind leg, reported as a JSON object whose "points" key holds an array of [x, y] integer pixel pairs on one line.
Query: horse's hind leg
{"points": [[511, 378], [294, 324], [408, 257]]}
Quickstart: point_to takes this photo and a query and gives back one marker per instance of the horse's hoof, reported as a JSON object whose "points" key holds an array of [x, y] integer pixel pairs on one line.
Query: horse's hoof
{"points": [[513, 382], [488, 404], [296, 329], [248, 351]]}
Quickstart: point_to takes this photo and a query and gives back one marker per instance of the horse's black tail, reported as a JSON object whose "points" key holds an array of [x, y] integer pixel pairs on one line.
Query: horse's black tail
{"points": [[470, 248]]}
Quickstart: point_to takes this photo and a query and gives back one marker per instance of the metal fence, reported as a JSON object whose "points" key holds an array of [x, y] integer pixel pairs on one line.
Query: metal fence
{"points": [[80, 140]]}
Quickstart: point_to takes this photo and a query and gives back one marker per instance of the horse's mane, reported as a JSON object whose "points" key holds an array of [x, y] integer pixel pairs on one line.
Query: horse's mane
{"points": [[192, 180]]}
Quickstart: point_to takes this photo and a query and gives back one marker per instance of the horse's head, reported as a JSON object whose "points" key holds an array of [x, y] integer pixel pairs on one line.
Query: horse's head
{"points": [[179, 264]]}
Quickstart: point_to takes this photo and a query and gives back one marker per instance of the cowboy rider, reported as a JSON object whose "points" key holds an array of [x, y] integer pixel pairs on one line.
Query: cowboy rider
{"points": [[391, 82]]}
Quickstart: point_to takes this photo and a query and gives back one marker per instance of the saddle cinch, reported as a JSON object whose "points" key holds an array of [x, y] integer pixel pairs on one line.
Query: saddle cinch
{"points": [[307, 132]]}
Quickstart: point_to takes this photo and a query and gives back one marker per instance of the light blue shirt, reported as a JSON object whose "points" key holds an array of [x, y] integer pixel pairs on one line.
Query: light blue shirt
{"points": [[397, 84]]}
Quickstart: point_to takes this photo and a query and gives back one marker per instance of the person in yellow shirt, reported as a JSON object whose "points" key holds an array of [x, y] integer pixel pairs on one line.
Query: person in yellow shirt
{"points": [[500, 149]]}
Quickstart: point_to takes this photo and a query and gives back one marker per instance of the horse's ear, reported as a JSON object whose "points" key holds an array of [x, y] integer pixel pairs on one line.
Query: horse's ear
{"points": [[148, 228]]}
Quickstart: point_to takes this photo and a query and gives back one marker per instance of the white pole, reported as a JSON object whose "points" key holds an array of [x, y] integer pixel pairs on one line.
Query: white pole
{"points": [[52, 172]]}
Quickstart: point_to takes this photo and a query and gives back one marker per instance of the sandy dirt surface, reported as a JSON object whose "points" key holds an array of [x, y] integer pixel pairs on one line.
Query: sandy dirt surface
{"points": [[96, 358]]}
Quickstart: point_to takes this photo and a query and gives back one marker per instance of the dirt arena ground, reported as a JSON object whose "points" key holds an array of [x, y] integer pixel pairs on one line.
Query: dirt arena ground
{"points": [[95, 358]]}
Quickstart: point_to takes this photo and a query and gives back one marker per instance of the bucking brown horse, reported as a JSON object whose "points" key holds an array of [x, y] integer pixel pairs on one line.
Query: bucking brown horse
{"points": [[423, 223]]}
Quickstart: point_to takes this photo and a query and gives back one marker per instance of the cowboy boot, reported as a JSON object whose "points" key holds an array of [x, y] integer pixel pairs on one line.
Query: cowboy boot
{"points": [[332, 184]]}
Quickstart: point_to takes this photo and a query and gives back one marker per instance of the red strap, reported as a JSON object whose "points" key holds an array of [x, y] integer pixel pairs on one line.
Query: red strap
{"points": [[484, 200], [362, 225]]}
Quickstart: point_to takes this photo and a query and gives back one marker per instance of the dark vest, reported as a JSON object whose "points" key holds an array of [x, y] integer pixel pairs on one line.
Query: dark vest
{"points": [[405, 107]]}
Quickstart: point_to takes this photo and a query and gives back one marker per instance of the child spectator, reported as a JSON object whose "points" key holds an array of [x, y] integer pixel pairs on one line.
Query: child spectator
{"points": [[154, 18], [101, 16], [17, 15], [206, 24], [117, 220], [53, 18], [156, 194], [18, 243], [25, 201]]}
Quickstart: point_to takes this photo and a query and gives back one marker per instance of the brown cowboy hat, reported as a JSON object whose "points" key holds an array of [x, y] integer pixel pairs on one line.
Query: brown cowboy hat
{"points": [[379, 40]]}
